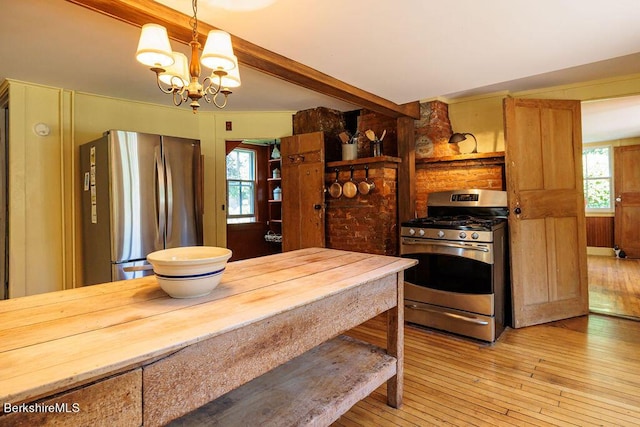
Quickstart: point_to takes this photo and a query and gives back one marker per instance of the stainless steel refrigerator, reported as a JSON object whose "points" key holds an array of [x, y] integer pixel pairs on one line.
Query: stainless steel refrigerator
{"points": [[140, 193]]}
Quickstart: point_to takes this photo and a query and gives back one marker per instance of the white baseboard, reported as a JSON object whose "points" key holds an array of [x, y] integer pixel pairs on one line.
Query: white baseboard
{"points": [[591, 250]]}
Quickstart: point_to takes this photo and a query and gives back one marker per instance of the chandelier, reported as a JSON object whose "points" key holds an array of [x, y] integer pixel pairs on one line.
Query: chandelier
{"points": [[176, 76]]}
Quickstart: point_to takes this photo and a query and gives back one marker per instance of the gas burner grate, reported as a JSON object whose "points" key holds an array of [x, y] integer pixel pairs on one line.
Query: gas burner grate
{"points": [[455, 221]]}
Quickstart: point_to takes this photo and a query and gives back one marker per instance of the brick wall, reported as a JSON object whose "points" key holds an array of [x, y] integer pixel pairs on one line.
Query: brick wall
{"points": [[365, 223], [433, 131], [455, 175]]}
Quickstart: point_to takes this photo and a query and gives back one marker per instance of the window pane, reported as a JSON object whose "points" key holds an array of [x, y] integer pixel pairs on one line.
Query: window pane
{"points": [[233, 171], [596, 162], [598, 193], [233, 190], [241, 165], [246, 165], [246, 198]]}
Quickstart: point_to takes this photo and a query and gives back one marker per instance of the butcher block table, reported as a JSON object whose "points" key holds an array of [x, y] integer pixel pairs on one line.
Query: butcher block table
{"points": [[264, 348]]}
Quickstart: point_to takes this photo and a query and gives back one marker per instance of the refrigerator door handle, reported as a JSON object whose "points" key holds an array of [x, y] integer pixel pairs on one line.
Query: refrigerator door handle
{"points": [[160, 196], [169, 200]]}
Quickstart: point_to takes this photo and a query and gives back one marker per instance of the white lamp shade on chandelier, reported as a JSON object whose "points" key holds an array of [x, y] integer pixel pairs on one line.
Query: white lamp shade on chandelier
{"points": [[218, 52], [176, 73], [154, 49], [232, 78]]}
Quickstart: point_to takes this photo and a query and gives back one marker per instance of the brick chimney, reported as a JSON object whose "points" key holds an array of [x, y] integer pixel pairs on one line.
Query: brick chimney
{"points": [[433, 130]]}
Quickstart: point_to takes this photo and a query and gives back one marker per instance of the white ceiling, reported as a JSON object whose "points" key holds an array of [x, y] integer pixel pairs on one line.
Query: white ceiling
{"points": [[403, 50]]}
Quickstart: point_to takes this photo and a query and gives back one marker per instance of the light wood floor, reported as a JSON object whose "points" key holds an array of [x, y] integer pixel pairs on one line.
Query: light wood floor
{"points": [[583, 371], [614, 286], [577, 372]]}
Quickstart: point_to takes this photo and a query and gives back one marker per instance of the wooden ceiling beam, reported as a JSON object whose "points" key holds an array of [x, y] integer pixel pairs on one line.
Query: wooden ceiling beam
{"points": [[140, 12]]}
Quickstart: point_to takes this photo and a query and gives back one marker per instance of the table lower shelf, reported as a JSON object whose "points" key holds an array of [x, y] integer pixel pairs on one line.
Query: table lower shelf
{"points": [[315, 388]]}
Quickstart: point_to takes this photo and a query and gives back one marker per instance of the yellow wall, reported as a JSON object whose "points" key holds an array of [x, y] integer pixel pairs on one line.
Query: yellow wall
{"points": [[37, 255], [45, 224], [483, 115]]}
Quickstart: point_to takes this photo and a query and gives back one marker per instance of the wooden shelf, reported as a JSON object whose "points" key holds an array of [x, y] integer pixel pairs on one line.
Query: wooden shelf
{"points": [[363, 161], [313, 389], [274, 212], [494, 157]]}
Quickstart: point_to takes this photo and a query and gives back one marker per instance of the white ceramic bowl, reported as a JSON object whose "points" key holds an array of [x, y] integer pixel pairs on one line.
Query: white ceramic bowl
{"points": [[190, 271]]}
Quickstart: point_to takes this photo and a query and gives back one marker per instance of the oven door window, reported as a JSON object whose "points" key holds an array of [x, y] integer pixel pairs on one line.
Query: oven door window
{"points": [[450, 273]]}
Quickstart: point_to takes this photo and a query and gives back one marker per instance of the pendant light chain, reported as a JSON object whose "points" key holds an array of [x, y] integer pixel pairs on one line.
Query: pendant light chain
{"points": [[194, 20]]}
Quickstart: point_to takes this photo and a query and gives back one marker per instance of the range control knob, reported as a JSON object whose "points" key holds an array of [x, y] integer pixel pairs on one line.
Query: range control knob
{"points": [[474, 235], [463, 235], [412, 231], [441, 234], [421, 232]]}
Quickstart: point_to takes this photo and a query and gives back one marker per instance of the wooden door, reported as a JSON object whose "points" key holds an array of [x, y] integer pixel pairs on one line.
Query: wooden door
{"points": [[626, 162], [543, 157], [303, 211]]}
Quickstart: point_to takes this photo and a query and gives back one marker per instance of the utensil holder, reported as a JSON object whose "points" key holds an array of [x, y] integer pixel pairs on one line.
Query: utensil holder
{"points": [[376, 148], [349, 151]]}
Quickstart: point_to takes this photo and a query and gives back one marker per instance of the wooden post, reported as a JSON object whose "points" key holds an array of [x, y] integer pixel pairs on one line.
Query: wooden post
{"points": [[395, 346], [406, 173]]}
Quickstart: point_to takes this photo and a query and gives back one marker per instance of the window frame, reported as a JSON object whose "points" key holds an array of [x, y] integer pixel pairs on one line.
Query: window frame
{"points": [[610, 178]]}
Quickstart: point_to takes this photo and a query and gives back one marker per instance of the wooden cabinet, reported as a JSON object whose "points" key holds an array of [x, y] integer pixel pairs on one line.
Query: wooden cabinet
{"points": [[303, 208]]}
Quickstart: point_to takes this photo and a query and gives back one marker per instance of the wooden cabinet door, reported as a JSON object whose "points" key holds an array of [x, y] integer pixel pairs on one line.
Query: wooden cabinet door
{"points": [[627, 195], [543, 155], [303, 211]]}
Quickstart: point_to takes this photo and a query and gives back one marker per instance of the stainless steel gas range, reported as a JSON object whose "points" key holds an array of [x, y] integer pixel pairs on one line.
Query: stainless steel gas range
{"points": [[460, 283]]}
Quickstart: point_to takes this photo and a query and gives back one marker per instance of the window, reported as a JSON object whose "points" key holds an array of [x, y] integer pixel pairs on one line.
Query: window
{"points": [[241, 186], [597, 169]]}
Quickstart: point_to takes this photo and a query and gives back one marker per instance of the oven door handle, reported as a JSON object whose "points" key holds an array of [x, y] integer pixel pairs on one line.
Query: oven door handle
{"points": [[474, 320], [445, 244]]}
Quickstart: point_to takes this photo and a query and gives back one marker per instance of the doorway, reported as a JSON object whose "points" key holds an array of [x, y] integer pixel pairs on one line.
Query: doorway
{"points": [[614, 284], [248, 199]]}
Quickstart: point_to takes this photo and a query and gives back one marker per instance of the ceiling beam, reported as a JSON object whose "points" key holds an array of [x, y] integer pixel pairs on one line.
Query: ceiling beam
{"points": [[140, 12]]}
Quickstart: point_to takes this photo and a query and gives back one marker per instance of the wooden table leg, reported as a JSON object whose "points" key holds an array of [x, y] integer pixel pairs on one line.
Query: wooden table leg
{"points": [[395, 346]]}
